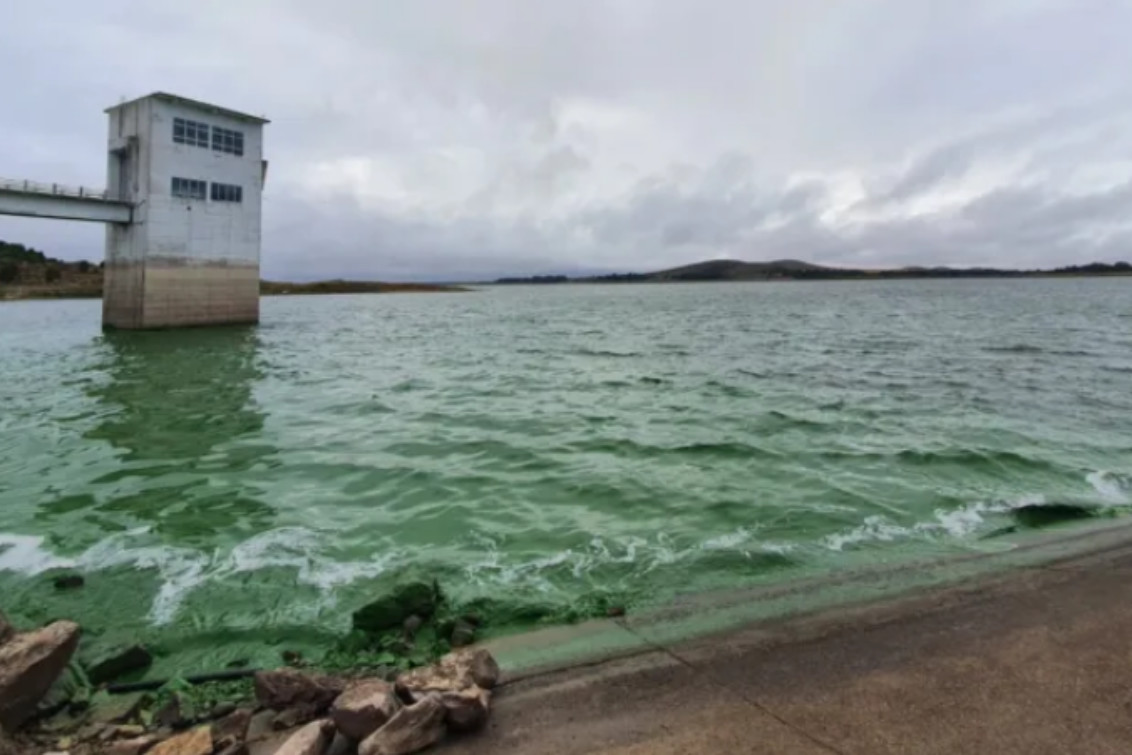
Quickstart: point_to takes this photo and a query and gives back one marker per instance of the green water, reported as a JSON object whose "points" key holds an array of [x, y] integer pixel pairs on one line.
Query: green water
{"points": [[229, 492]]}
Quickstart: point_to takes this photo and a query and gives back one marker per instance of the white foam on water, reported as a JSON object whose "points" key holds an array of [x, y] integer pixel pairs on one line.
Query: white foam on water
{"points": [[25, 554], [1111, 487], [728, 541], [874, 528], [183, 570], [299, 548], [953, 523]]}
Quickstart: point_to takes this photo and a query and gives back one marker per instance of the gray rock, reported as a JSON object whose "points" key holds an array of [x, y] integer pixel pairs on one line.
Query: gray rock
{"points": [[29, 664], [466, 709], [364, 708], [232, 727], [115, 662], [7, 746], [342, 745], [134, 746], [287, 688], [259, 727], [71, 688], [113, 709], [412, 729], [270, 744], [411, 626], [312, 739], [222, 709], [234, 748], [463, 634], [172, 714], [297, 716], [68, 581], [7, 631]]}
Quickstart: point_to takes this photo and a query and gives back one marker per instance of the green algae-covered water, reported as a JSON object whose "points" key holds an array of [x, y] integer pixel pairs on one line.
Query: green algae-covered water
{"points": [[540, 450]]}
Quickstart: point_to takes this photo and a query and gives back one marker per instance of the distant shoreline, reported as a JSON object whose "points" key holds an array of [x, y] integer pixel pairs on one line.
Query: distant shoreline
{"points": [[732, 271], [845, 279], [267, 288]]}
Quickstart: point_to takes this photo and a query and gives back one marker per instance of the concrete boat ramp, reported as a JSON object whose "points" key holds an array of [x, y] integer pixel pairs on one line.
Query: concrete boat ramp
{"points": [[1027, 650]]}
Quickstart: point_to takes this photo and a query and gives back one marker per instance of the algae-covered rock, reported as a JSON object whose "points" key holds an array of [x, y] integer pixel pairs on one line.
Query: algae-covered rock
{"points": [[416, 598], [112, 663], [71, 688], [64, 582]]}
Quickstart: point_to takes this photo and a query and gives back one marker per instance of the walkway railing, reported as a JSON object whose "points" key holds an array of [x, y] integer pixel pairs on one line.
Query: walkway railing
{"points": [[58, 190]]}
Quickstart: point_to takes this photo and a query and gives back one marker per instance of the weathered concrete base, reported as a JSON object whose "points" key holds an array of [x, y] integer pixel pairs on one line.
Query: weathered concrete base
{"points": [[172, 294]]}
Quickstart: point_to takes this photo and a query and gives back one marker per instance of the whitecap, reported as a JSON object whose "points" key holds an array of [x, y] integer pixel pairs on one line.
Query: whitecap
{"points": [[1111, 487]]}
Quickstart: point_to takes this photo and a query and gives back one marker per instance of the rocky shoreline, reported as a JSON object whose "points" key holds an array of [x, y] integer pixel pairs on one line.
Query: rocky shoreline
{"points": [[403, 679]]}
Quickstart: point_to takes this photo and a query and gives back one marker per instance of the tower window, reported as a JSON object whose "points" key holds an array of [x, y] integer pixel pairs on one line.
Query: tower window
{"points": [[227, 140], [189, 132], [188, 188], [227, 193]]}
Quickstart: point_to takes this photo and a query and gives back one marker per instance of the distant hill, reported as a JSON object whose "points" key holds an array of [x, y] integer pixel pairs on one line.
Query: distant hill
{"points": [[27, 272], [740, 270], [736, 270]]}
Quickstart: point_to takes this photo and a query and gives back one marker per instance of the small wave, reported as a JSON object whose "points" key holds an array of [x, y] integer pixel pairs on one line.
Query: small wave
{"points": [[1019, 348], [1113, 488], [957, 523], [631, 448], [969, 457], [606, 353], [628, 556], [782, 420], [1036, 511], [732, 391]]}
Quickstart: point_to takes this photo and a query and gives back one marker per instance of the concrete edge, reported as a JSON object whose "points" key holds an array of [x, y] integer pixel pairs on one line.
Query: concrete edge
{"points": [[700, 616]]}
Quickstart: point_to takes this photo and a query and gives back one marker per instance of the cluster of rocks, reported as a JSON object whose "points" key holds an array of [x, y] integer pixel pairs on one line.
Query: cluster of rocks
{"points": [[294, 712], [371, 716]]}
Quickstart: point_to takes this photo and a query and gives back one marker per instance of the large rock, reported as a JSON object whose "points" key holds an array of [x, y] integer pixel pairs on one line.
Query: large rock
{"points": [[455, 671], [287, 688], [418, 598], [412, 729], [29, 664], [312, 739], [364, 708], [115, 662], [195, 742]]}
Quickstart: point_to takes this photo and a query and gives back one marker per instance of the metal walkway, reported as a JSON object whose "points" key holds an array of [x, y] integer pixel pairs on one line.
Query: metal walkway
{"points": [[40, 200]]}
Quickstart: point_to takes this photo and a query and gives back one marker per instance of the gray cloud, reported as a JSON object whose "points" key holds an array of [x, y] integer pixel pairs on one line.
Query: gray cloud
{"points": [[445, 139]]}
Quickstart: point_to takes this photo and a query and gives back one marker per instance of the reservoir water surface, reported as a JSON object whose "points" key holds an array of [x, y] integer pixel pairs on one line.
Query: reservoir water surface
{"points": [[542, 451]]}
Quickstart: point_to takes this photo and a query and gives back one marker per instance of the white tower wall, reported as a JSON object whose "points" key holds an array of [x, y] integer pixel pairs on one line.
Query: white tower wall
{"points": [[191, 254]]}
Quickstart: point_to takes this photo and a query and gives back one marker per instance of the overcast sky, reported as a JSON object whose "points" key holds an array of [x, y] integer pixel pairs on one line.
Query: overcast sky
{"points": [[455, 139]]}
